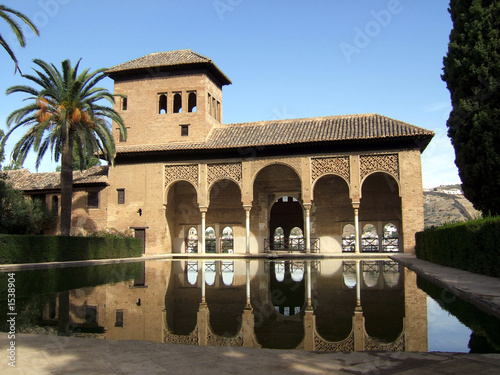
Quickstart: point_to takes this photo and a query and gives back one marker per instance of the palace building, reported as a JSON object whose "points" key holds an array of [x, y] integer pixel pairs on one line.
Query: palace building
{"points": [[184, 181]]}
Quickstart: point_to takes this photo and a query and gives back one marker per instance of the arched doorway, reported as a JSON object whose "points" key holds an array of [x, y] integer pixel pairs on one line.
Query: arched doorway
{"points": [[380, 204], [276, 193], [182, 213], [332, 210], [286, 213]]}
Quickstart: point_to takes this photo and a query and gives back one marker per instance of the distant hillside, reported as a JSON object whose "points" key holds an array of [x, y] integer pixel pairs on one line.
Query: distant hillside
{"points": [[441, 207]]}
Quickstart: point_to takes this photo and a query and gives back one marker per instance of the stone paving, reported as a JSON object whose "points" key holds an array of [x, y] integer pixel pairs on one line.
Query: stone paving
{"points": [[482, 291], [41, 354]]}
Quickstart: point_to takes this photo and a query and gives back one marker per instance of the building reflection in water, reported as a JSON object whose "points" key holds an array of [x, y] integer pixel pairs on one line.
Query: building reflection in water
{"points": [[327, 305]]}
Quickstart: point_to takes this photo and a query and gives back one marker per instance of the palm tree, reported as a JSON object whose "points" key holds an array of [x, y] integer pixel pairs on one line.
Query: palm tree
{"points": [[6, 14], [62, 111]]}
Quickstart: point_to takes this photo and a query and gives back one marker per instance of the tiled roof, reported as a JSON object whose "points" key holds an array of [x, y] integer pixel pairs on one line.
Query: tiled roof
{"points": [[166, 60], [23, 179], [295, 132]]}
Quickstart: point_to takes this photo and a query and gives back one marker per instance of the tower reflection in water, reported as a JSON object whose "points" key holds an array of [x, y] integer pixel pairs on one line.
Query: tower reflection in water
{"points": [[327, 305]]}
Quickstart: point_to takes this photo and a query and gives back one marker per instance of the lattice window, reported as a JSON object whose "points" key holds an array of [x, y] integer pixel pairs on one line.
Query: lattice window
{"points": [[383, 163], [390, 241], [348, 239], [187, 172], [337, 165], [224, 170]]}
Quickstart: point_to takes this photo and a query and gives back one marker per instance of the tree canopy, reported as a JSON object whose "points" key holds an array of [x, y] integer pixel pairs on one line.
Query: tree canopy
{"points": [[64, 108], [472, 73], [17, 214], [7, 14]]}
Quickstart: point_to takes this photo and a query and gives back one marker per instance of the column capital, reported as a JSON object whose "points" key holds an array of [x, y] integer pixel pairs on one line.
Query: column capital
{"points": [[247, 207], [203, 209], [307, 205], [355, 204]]}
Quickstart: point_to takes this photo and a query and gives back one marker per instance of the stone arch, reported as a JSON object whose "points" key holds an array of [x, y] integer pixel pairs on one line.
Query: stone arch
{"points": [[221, 171], [221, 180], [271, 184], [391, 181], [181, 212], [224, 206], [287, 213], [326, 174], [169, 186], [380, 201], [276, 163], [331, 211]]}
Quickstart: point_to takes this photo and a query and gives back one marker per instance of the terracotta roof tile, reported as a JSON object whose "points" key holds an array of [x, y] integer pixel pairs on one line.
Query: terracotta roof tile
{"points": [[23, 179], [293, 132], [166, 60]]}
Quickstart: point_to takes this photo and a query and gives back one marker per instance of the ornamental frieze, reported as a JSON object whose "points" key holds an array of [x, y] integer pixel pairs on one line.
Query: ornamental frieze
{"points": [[338, 165], [381, 163], [186, 172], [224, 170], [321, 345]]}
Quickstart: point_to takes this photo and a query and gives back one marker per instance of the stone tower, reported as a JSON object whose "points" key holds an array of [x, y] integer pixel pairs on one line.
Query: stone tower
{"points": [[165, 97]]}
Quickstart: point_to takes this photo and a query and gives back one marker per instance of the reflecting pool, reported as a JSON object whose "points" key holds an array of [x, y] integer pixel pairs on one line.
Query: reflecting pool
{"points": [[320, 305]]}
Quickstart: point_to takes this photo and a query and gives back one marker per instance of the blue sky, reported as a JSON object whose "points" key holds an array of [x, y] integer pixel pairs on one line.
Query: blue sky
{"points": [[286, 59]]}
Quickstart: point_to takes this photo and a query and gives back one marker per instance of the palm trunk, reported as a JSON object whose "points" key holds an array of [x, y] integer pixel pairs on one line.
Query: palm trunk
{"points": [[66, 184]]}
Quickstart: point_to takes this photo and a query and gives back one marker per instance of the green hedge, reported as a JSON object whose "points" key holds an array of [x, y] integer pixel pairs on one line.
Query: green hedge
{"points": [[36, 249], [472, 246]]}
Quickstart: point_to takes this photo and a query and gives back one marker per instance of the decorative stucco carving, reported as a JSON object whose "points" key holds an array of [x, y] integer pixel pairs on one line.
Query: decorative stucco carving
{"points": [[224, 170], [322, 345], [374, 345], [191, 339], [186, 172], [338, 165], [384, 163], [214, 340]]}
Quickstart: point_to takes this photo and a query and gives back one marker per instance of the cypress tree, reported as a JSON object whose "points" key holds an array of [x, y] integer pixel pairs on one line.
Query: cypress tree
{"points": [[472, 74]]}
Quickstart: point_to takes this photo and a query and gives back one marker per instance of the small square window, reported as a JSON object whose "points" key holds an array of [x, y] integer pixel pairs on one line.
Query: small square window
{"points": [[121, 196], [124, 104], [184, 130], [93, 199]]}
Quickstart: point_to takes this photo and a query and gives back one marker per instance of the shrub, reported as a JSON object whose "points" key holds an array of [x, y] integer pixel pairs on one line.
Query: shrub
{"points": [[36, 249], [472, 246]]}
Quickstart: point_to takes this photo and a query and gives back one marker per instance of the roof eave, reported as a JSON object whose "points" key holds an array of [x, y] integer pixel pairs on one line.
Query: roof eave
{"points": [[131, 72]]}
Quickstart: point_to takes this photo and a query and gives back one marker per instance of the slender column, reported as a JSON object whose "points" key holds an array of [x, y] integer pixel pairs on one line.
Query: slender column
{"points": [[247, 227], [309, 286], [356, 227], [203, 286], [248, 285], [309, 318], [307, 207], [358, 283], [203, 217]]}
